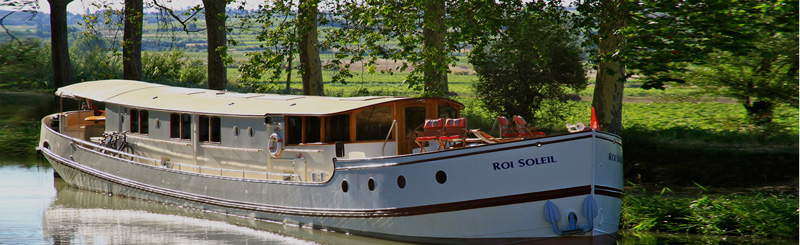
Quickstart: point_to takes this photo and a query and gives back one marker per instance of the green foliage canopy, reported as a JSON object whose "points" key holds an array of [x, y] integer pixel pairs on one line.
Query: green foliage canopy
{"points": [[528, 60], [747, 50]]}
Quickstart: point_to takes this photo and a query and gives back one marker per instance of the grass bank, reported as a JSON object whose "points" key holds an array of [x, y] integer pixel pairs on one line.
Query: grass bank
{"points": [[768, 213]]}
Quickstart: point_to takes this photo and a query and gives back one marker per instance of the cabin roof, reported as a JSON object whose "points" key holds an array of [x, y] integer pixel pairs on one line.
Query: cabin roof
{"points": [[162, 97]]}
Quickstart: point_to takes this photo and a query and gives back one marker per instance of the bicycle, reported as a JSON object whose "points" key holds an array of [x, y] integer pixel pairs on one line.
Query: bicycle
{"points": [[124, 146], [110, 140]]}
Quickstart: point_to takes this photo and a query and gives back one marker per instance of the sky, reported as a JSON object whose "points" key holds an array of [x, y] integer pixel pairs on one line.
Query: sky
{"points": [[80, 6]]}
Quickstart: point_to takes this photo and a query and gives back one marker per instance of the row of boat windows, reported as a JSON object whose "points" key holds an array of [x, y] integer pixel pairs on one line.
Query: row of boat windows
{"points": [[370, 124], [180, 125]]}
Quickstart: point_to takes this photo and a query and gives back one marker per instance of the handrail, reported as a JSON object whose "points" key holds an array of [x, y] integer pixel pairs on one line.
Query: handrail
{"points": [[158, 140], [180, 165], [83, 142], [383, 149], [231, 148], [302, 150]]}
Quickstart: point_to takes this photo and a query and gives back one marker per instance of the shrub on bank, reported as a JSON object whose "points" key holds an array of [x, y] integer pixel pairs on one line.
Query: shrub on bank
{"points": [[765, 214]]}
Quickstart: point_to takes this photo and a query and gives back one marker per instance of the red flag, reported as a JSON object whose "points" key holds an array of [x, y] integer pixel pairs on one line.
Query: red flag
{"points": [[593, 124]]}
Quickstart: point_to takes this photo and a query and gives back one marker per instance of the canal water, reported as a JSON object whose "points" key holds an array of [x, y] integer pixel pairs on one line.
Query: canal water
{"points": [[38, 208]]}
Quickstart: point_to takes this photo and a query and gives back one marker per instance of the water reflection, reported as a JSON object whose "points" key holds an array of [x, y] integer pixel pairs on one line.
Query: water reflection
{"points": [[88, 217], [36, 208]]}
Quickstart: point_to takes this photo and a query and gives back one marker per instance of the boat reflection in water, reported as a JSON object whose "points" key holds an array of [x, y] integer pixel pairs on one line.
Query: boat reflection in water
{"points": [[87, 217]]}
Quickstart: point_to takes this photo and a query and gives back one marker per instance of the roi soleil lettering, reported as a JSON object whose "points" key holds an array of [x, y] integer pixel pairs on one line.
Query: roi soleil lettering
{"points": [[524, 162]]}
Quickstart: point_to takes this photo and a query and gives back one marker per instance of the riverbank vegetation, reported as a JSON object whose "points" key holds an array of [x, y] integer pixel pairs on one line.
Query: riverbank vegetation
{"points": [[761, 212]]}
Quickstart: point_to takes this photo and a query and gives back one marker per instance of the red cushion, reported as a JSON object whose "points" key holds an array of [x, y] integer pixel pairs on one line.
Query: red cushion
{"points": [[451, 137], [460, 122], [502, 120], [519, 120], [426, 138], [433, 123]]}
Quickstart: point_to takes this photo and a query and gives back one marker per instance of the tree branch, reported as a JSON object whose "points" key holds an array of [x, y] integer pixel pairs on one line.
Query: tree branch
{"points": [[177, 18]]}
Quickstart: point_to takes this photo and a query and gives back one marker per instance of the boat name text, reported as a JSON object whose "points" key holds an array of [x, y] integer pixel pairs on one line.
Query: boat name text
{"points": [[615, 157], [524, 162]]}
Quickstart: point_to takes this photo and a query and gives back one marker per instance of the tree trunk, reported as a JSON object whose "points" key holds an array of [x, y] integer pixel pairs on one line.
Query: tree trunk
{"points": [[433, 49], [132, 41], [309, 52], [217, 43], [610, 79], [62, 68], [289, 69]]}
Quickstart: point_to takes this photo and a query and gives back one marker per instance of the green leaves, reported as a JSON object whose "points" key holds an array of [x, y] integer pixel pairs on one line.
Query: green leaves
{"points": [[526, 60]]}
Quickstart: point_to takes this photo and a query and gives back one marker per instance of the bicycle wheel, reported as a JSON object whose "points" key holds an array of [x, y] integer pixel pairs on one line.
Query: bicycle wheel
{"points": [[127, 149], [110, 145]]}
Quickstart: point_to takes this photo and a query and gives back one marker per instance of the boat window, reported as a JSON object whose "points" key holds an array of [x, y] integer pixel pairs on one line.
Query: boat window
{"points": [[294, 130], [210, 129], [312, 125], [139, 122], [373, 123], [446, 111], [204, 128], [174, 125], [337, 128], [298, 127], [186, 126], [134, 121], [216, 135], [144, 125]]}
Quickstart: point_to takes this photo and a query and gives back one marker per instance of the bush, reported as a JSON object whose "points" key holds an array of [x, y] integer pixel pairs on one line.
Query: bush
{"points": [[529, 66], [17, 58], [762, 214], [173, 67]]}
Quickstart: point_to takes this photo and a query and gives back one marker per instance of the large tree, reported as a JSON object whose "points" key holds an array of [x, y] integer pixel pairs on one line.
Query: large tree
{"points": [[217, 43], [417, 34], [603, 23], [747, 50], [287, 29], [62, 68], [310, 64], [132, 40]]}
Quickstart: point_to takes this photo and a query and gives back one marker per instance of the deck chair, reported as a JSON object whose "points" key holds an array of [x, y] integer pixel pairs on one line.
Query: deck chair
{"points": [[506, 131], [489, 139], [455, 132], [524, 131], [431, 130]]}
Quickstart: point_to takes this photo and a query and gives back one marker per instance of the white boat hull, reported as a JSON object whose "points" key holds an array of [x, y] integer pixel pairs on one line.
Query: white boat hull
{"points": [[492, 193]]}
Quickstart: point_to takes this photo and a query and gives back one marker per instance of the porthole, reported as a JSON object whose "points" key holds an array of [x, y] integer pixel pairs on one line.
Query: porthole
{"points": [[401, 182], [371, 184], [250, 131], [236, 131], [344, 186], [441, 177]]}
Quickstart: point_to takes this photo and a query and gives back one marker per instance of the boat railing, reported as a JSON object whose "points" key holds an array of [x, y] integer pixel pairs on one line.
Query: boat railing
{"points": [[158, 140], [383, 149], [137, 159]]}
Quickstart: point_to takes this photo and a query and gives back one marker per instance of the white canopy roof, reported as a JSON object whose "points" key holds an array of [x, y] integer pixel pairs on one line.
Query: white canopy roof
{"points": [[162, 97]]}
